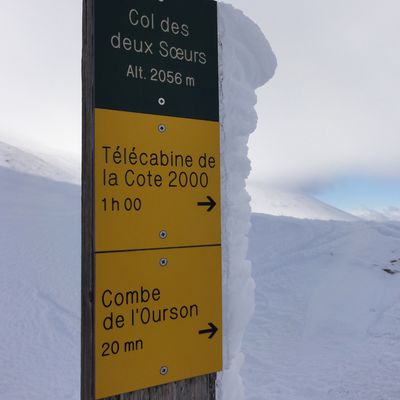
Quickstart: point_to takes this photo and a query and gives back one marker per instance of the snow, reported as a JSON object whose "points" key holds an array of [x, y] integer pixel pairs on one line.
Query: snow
{"points": [[324, 288], [327, 315], [270, 200], [39, 285], [327, 318], [246, 62], [58, 167], [382, 215]]}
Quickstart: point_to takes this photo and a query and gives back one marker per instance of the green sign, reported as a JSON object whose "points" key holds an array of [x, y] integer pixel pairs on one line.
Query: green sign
{"points": [[148, 51]]}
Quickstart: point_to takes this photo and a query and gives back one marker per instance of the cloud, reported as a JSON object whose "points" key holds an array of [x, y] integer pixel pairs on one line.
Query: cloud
{"points": [[40, 72], [332, 108]]}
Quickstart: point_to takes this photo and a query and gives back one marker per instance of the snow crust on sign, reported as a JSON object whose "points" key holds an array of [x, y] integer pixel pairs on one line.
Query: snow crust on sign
{"points": [[270, 200], [246, 62], [327, 320]]}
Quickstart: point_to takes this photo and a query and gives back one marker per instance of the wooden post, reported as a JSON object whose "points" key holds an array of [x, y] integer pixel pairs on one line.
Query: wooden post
{"points": [[200, 388], [87, 279]]}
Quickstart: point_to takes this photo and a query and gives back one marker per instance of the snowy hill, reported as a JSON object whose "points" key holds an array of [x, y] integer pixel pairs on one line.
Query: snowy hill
{"points": [[272, 201], [56, 167], [326, 325], [39, 286], [387, 214], [327, 318], [265, 200]]}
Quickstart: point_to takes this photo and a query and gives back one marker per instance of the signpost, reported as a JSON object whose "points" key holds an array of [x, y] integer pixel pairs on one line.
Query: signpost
{"points": [[151, 264]]}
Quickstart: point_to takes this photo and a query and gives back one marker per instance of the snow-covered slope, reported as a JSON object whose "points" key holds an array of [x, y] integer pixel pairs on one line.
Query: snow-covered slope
{"points": [[39, 287], [272, 201], [56, 167], [387, 214], [327, 318]]}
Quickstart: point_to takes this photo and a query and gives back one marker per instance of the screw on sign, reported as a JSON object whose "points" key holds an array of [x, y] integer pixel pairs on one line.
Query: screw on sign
{"points": [[162, 128], [164, 370], [163, 262]]}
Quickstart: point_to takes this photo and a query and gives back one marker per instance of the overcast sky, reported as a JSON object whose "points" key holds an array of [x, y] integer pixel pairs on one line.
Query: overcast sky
{"points": [[40, 82], [330, 113], [330, 118]]}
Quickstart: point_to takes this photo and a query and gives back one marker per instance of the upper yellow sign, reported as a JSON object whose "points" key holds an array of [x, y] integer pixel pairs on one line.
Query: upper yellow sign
{"points": [[157, 182]]}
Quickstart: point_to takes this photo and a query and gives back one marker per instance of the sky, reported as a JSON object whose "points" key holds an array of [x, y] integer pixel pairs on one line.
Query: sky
{"points": [[329, 121], [40, 95], [329, 117], [352, 193]]}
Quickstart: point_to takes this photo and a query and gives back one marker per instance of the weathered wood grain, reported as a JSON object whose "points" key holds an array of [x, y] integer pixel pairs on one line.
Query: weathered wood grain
{"points": [[201, 388]]}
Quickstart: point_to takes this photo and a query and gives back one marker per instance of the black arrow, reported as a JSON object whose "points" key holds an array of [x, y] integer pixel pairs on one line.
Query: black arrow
{"points": [[210, 203], [212, 331]]}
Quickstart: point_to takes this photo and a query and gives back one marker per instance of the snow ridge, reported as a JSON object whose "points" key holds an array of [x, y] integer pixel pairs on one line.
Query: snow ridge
{"points": [[384, 215], [327, 324], [246, 62], [52, 167], [272, 201]]}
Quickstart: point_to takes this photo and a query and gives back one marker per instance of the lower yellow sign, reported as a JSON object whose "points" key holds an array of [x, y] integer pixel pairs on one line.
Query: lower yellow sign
{"points": [[158, 317]]}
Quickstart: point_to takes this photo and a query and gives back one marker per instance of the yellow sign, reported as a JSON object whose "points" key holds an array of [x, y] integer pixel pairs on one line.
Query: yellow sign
{"points": [[158, 306], [156, 323], [157, 181]]}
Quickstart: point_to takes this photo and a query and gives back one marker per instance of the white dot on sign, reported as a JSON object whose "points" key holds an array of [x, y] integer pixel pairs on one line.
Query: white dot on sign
{"points": [[164, 370], [162, 128], [163, 234], [161, 101]]}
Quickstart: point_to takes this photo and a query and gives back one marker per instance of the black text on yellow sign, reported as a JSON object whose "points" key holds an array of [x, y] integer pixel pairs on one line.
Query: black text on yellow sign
{"points": [[157, 321], [157, 181], [158, 250]]}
